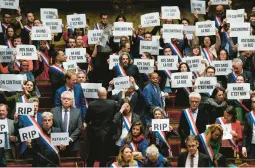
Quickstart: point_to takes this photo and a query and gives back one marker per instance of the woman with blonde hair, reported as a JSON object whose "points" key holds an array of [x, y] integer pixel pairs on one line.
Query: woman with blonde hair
{"points": [[125, 158]]}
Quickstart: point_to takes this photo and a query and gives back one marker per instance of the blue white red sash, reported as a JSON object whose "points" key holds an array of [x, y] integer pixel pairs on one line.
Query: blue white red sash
{"points": [[47, 45], [240, 102], [234, 76], [187, 91], [44, 58], [168, 73], [207, 55], [196, 74], [115, 165], [191, 122], [98, 27], [133, 146], [140, 37], [5, 25], [86, 102], [28, 28], [206, 146], [127, 123], [175, 51], [252, 117], [17, 63], [23, 99], [9, 44], [162, 136], [226, 37], [218, 22], [57, 69], [120, 70]]}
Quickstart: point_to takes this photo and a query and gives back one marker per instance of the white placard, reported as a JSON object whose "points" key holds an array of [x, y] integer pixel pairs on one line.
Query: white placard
{"points": [[150, 19], [222, 67], [116, 39], [121, 82], [156, 39], [198, 6], [167, 62], [181, 79], [170, 12], [246, 43], [28, 133], [6, 54], [26, 52], [227, 128], [1, 29], [115, 91], [190, 31], [94, 36], [3, 125], [219, 2], [172, 31], [11, 82], [149, 46], [144, 65], [25, 109], [239, 29], [76, 21], [113, 60], [9, 4], [195, 63], [206, 28], [54, 24], [58, 138], [123, 29], [2, 140], [160, 124], [235, 16], [3, 46], [41, 33], [48, 13], [90, 89], [76, 54], [238, 91], [205, 84], [70, 66]]}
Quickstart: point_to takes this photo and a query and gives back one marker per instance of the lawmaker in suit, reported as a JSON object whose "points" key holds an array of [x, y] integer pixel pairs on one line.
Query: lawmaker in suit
{"points": [[77, 92], [99, 119], [192, 157], [193, 120], [69, 120]]}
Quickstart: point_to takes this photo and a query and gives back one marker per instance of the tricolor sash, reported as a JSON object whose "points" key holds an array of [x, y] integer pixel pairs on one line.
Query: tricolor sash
{"points": [[175, 51], [44, 58], [127, 123], [28, 28], [233, 76], [162, 136], [168, 73], [47, 45], [140, 37], [120, 70], [240, 102], [218, 22], [133, 146], [206, 146], [23, 99], [191, 121], [58, 69], [252, 117], [98, 27], [196, 74], [207, 55], [187, 91], [5, 25], [9, 44], [86, 102], [17, 63], [115, 165]]}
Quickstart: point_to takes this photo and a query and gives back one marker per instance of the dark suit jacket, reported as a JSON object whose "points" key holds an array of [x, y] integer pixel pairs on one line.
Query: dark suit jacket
{"points": [[248, 131], [203, 160], [78, 96], [248, 78], [74, 128], [131, 70], [201, 122]]}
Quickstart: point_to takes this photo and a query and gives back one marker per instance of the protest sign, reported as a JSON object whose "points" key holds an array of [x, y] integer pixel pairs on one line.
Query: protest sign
{"points": [[48, 13], [144, 65], [115, 91], [25, 109], [181, 79], [172, 31], [150, 20], [219, 2], [222, 67], [26, 52], [11, 82], [94, 36], [160, 124], [149, 46], [195, 63], [205, 84], [41, 33], [156, 39], [2, 140], [113, 60], [189, 31], [76, 54], [3, 46], [3, 125], [76, 21], [1, 29], [198, 6], [239, 29], [206, 28], [6, 54], [235, 16], [116, 39], [122, 29], [9, 4], [170, 12], [246, 43], [121, 82], [58, 138], [227, 128], [90, 89], [28, 133], [70, 66], [54, 24], [238, 91], [167, 62], [103, 40]]}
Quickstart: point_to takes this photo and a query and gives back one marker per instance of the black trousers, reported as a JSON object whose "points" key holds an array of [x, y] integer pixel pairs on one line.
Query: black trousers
{"points": [[251, 151]]}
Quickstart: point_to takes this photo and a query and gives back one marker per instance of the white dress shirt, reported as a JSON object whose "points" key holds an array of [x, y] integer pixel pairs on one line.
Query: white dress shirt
{"points": [[194, 115], [195, 160], [68, 117]]}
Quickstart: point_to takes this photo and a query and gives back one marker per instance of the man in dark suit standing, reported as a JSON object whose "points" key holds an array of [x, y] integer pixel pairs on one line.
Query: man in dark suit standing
{"points": [[77, 93], [193, 120], [99, 119], [192, 157], [69, 120]]}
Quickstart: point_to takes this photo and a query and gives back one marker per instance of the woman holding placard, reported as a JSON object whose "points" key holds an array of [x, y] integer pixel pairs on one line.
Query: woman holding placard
{"points": [[223, 56], [9, 35]]}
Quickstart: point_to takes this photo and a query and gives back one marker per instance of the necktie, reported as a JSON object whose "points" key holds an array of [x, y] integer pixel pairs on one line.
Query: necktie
{"points": [[65, 121], [192, 160], [6, 141]]}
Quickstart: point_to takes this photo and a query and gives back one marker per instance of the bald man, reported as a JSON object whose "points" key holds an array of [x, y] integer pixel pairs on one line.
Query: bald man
{"points": [[99, 127]]}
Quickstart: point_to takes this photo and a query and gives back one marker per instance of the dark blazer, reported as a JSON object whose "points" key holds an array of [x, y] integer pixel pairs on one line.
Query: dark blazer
{"points": [[203, 160], [248, 78], [152, 98], [248, 131], [201, 122], [74, 128], [78, 96], [131, 70]]}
